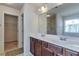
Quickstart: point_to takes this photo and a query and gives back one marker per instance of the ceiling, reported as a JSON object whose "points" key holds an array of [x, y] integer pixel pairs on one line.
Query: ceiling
{"points": [[36, 6], [39, 5], [49, 5], [65, 6], [13, 5], [19, 5]]}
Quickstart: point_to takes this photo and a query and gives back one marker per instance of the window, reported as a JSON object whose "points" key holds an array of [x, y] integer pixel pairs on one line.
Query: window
{"points": [[71, 25]]}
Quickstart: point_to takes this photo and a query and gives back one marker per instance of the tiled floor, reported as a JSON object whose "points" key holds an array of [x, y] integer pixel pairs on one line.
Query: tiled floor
{"points": [[21, 54], [11, 45]]}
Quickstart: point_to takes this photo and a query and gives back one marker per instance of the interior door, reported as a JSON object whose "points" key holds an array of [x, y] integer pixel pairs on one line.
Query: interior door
{"points": [[10, 28]]}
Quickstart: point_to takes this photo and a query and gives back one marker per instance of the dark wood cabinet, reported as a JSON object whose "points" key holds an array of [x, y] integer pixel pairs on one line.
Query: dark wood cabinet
{"points": [[68, 52], [32, 45], [57, 50], [44, 44], [42, 48], [37, 47], [46, 52]]}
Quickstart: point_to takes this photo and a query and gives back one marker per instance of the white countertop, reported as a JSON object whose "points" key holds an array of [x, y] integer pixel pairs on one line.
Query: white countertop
{"points": [[54, 39]]}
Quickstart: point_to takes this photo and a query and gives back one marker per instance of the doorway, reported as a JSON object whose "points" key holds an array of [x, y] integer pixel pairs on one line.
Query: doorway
{"points": [[10, 32]]}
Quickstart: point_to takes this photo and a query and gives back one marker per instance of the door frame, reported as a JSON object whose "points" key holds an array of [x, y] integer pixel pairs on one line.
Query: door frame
{"points": [[22, 20], [4, 26]]}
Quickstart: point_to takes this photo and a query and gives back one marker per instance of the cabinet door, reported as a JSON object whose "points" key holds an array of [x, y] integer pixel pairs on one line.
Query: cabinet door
{"points": [[44, 44], [46, 52], [37, 47], [32, 45], [57, 50], [68, 52]]}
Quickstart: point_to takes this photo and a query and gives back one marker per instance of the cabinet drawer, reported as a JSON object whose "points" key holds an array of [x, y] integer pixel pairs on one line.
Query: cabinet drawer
{"points": [[44, 44], [56, 49], [37, 47], [46, 52], [38, 41]]}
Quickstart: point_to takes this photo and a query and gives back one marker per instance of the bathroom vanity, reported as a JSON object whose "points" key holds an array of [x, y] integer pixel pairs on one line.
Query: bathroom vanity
{"points": [[51, 45]]}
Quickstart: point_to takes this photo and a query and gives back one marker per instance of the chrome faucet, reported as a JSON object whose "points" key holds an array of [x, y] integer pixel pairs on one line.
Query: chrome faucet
{"points": [[63, 39], [42, 35]]}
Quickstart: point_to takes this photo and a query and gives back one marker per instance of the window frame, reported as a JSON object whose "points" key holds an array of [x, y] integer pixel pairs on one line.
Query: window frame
{"points": [[69, 33]]}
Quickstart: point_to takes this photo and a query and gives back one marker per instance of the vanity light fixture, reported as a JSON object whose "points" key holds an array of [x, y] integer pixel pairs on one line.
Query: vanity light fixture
{"points": [[48, 15], [43, 9]]}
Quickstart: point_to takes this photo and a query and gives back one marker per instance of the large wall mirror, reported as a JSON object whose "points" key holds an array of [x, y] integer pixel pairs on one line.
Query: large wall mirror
{"points": [[64, 20]]}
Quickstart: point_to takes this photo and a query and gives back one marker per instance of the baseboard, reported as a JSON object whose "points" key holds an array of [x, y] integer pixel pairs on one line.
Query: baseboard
{"points": [[28, 54]]}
